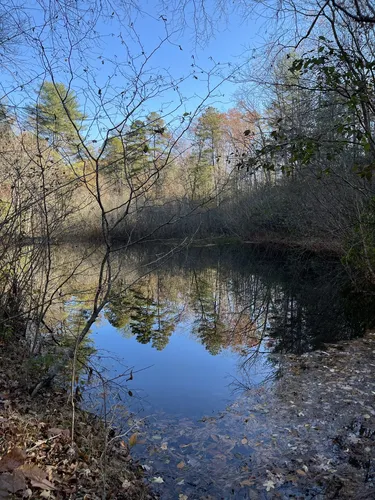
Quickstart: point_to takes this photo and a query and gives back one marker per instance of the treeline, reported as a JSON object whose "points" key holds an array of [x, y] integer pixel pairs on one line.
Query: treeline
{"points": [[145, 162], [299, 172], [304, 171]]}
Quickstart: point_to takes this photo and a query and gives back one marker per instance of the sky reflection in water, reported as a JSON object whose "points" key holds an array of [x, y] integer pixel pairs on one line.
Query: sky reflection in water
{"points": [[188, 327], [183, 379], [187, 330]]}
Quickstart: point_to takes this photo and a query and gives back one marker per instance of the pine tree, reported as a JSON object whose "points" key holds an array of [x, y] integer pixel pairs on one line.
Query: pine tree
{"points": [[57, 114], [208, 135]]}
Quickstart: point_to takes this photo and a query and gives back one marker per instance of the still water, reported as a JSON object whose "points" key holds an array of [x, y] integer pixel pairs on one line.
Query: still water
{"points": [[194, 346]]}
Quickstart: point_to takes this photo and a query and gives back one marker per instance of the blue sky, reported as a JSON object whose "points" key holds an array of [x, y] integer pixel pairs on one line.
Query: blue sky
{"points": [[234, 39]]}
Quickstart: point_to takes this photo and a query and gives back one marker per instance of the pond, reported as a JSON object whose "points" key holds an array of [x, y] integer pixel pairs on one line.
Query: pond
{"points": [[192, 352]]}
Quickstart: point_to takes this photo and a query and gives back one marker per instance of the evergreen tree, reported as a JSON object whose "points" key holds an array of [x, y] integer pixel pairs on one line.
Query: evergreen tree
{"points": [[208, 135], [57, 114], [157, 136], [138, 151]]}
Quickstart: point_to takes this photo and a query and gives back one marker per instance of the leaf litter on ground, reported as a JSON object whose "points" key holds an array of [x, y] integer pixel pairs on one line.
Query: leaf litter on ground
{"points": [[39, 458]]}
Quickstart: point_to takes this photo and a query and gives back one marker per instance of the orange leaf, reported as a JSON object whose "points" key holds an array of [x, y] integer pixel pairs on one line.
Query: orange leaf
{"points": [[133, 439], [181, 465]]}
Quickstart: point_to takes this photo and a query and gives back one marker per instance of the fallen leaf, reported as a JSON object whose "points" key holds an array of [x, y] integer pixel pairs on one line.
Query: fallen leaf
{"points": [[12, 460], [158, 480], [244, 441], [55, 431], [33, 472], [43, 484], [133, 439], [246, 482], [164, 446], [269, 485], [12, 483], [45, 494], [301, 472], [181, 465], [182, 497]]}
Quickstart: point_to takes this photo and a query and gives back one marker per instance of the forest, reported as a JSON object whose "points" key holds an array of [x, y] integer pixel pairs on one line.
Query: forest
{"points": [[124, 144]]}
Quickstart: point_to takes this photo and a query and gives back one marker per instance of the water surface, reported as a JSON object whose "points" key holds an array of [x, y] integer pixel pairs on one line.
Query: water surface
{"points": [[200, 339]]}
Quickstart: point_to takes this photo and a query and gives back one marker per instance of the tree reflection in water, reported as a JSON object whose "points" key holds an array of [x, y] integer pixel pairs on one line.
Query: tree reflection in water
{"points": [[244, 306], [247, 301], [250, 302]]}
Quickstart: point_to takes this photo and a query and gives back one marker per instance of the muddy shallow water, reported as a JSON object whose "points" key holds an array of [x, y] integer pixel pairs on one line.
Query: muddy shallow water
{"points": [[242, 377]]}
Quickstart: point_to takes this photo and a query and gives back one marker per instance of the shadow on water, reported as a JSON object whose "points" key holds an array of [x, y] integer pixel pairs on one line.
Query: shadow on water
{"points": [[204, 334]]}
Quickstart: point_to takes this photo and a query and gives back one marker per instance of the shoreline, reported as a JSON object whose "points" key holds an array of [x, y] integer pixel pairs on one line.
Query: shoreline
{"points": [[38, 456], [309, 245]]}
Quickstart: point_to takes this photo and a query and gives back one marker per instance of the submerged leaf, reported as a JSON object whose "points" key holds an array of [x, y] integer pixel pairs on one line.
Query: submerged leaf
{"points": [[181, 465], [45, 494], [158, 480], [246, 482], [133, 439], [269, 485]]}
